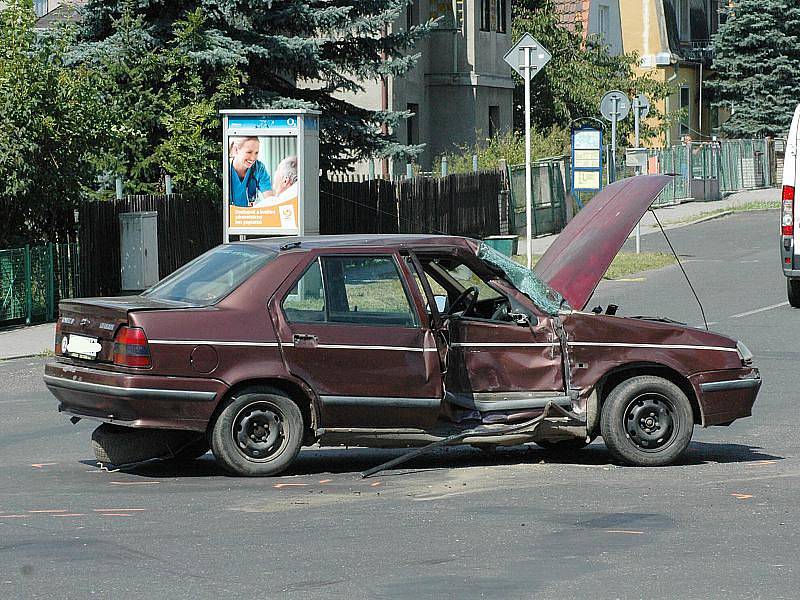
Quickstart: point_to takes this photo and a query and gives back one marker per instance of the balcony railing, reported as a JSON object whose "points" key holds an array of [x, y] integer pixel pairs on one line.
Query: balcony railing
{"points": [[697, 51]]}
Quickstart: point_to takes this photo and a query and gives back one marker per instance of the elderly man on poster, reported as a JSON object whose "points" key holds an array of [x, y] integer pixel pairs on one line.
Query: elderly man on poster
{"points": [[284, 184]]}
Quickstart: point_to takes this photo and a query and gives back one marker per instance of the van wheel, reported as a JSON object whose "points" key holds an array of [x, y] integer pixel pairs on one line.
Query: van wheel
{"points": [[793, 292], [258, 433], [647, 421]]}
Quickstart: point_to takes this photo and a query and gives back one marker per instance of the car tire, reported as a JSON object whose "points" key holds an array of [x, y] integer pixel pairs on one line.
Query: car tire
{"points": [[793, 292], [570, 445], [258, 433], [647, 421], [116, 445]]}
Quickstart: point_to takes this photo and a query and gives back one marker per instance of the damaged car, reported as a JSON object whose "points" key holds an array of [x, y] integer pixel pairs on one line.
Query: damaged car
{"points": [[258, 348]]}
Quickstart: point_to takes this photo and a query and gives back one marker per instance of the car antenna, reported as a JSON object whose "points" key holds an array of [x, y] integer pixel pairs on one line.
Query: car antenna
{"points": [[675, 254]]}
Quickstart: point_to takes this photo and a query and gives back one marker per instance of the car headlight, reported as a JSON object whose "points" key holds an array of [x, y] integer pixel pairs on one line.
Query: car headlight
{"points": [[744, 354]]}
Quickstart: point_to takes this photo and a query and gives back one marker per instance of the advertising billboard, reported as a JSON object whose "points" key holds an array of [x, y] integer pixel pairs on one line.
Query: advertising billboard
{"points": [[270, 173]]}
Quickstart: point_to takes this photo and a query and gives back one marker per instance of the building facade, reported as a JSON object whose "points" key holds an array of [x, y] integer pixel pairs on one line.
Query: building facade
{"points": [[461, 90]]}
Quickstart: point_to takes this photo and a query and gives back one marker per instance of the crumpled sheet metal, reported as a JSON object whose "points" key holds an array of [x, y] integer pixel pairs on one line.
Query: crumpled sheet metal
{"points": [[525, 280]]}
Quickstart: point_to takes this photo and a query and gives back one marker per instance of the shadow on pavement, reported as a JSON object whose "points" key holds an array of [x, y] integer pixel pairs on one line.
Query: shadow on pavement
{"points": [[316, 461]]}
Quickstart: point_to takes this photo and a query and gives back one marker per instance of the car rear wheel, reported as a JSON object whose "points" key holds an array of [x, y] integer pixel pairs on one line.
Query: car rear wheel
{"points": [[116, 445], [647, 421], [258, 433], [793, 292]]}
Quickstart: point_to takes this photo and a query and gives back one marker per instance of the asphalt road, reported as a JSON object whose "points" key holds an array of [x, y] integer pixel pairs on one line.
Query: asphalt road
{"points": [[515, 523]]}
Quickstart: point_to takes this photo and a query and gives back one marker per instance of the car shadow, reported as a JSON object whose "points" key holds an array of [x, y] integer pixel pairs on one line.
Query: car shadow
{"points": [[352, 461]]}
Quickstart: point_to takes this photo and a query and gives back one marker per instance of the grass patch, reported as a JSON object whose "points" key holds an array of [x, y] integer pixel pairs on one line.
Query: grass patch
{"points": [[624, 263], [746, 207]]}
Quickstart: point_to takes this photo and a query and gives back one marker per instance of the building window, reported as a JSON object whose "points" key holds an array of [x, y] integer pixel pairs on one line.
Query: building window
{"points": [[682, 16], [500, 9], [40, 7], [412, 125], [686, 111], [486, 15], [494, 121], [603, 21], [411, 15]]}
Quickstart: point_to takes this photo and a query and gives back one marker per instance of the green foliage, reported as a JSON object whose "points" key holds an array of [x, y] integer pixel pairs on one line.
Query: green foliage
{"points": [[50, 126], [757, 64], [289, 54], [511, 147], [574, 81]]}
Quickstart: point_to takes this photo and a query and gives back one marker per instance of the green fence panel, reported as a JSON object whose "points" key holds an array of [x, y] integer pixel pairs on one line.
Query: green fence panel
{"points": [[33, 280], [548, 199]]}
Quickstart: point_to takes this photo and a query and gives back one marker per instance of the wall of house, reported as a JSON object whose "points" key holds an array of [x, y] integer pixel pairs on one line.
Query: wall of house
{"points": [[606, 14]]}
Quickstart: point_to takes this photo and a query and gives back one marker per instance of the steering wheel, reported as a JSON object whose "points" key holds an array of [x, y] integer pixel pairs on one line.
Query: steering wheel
{"points": [[468, 298]]}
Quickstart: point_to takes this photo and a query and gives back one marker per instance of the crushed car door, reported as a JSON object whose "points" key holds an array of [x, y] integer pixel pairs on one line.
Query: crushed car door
{"points": [[348, 328], [502, 356]]}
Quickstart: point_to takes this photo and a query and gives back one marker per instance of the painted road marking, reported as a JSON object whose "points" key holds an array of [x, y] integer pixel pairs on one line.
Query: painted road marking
{"points": [[741, 496], [624, 531], [325, 480], [52, 510], [759, 310], [115, 515], [40, 465], [283, 485], [69, 515], [118, 509], [135, 482], [13, 516]]}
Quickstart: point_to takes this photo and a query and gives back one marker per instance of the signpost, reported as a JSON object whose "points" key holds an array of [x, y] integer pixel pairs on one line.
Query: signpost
{"points": [[270, 169], [641, 108], [527, 57], [614, 106]]}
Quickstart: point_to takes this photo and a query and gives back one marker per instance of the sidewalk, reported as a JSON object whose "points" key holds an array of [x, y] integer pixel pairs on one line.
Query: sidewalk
{"points": [[21, 341], [687, 213]]}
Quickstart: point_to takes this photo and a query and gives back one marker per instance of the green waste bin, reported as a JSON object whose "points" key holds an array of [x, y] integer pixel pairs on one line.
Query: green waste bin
{"points": [[505, 244]]}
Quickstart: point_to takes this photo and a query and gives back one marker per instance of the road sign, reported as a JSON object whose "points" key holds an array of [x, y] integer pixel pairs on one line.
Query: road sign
{"points": [[539, 56], [615, 104], [587, 159], [644, 105]]}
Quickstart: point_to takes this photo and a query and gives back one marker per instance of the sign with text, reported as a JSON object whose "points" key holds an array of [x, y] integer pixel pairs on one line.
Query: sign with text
{"points": [[271, 172], [587, 159]]}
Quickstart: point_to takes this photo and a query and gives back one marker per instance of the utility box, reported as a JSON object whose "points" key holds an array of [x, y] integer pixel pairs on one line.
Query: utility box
{"points": [[138, 250]]}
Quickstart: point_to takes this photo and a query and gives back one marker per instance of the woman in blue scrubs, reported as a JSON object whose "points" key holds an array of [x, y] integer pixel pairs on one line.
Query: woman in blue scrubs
{"points": [[249, 178]]}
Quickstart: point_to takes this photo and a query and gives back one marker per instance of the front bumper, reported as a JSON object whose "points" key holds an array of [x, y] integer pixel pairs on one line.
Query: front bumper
{"points": [[134, 400], [725, 396]]}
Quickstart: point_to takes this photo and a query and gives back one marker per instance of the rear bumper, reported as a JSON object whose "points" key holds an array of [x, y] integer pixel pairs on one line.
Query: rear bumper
{"points": [[134, 400], [725, 396]]}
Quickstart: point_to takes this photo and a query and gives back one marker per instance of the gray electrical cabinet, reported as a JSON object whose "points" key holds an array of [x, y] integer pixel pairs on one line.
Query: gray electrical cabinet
{"points": [[138, 250]]}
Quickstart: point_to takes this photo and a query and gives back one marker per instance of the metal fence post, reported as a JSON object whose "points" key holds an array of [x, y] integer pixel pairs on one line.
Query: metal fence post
{"points": [[51, 284], [28, 293]]}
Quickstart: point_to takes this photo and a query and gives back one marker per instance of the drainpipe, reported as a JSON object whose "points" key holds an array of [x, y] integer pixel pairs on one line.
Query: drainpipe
{"points": [[700, 100]]}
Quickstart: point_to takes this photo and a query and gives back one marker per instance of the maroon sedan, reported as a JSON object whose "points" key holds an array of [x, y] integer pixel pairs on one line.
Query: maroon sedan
{"points": [[260, 347]]}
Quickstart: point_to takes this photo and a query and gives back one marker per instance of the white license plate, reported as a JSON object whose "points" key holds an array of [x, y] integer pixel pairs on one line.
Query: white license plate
{"points": [[80, 345]]}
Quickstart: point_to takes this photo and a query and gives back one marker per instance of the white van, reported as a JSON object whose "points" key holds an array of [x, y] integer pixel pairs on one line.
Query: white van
{"points": [[790, 218]]}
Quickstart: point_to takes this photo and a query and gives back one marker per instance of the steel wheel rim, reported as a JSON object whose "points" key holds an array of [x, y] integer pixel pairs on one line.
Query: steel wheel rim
{"points": [[650, 422], [258, 432]]}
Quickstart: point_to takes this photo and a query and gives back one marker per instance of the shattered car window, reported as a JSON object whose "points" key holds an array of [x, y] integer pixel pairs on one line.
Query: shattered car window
{"points": [[524, 280]]}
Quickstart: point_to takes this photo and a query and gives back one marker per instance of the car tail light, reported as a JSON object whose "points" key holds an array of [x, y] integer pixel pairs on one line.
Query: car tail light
{"points": [[57, 341], [787, 210], [131, 348]]}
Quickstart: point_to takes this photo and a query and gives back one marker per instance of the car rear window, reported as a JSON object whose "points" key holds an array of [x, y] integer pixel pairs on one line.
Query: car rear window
{"points": [[213, 275]]}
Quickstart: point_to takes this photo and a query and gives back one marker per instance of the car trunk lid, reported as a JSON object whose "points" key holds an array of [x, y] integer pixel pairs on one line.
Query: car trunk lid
{"points": [[90, 324], [583, 251]]}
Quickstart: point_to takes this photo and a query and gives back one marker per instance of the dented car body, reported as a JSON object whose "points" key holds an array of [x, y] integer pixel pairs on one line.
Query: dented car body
{"points": [[257, 348]]}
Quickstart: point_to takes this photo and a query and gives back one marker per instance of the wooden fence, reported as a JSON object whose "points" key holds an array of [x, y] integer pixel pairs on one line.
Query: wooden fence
{"points": [[186, 229], [458, 204]]}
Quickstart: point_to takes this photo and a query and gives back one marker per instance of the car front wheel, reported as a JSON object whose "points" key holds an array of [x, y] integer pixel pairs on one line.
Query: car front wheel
{"points": [[258, 433], [647, 421]]}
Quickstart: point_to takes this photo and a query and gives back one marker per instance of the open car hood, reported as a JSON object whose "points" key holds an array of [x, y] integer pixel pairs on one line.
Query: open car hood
{"points": [[581, 254]]}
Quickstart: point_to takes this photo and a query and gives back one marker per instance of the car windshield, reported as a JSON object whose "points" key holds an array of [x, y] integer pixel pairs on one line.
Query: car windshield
{"points": [[524, 280], [213, 275]]}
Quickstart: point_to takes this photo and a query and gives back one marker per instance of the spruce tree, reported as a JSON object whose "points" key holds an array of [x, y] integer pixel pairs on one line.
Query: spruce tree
{"points": [[290, 54], [757, 65]]}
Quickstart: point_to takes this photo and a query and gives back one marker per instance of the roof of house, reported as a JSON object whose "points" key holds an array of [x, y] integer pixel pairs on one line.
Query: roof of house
{"points": [[572, 12]]}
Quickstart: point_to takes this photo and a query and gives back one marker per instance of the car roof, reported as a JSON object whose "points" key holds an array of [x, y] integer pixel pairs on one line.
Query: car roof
{"points": [[305, 243]]}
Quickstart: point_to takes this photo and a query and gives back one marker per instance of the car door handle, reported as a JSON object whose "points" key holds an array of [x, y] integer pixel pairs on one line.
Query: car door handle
{"points": [[304, 340]]}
